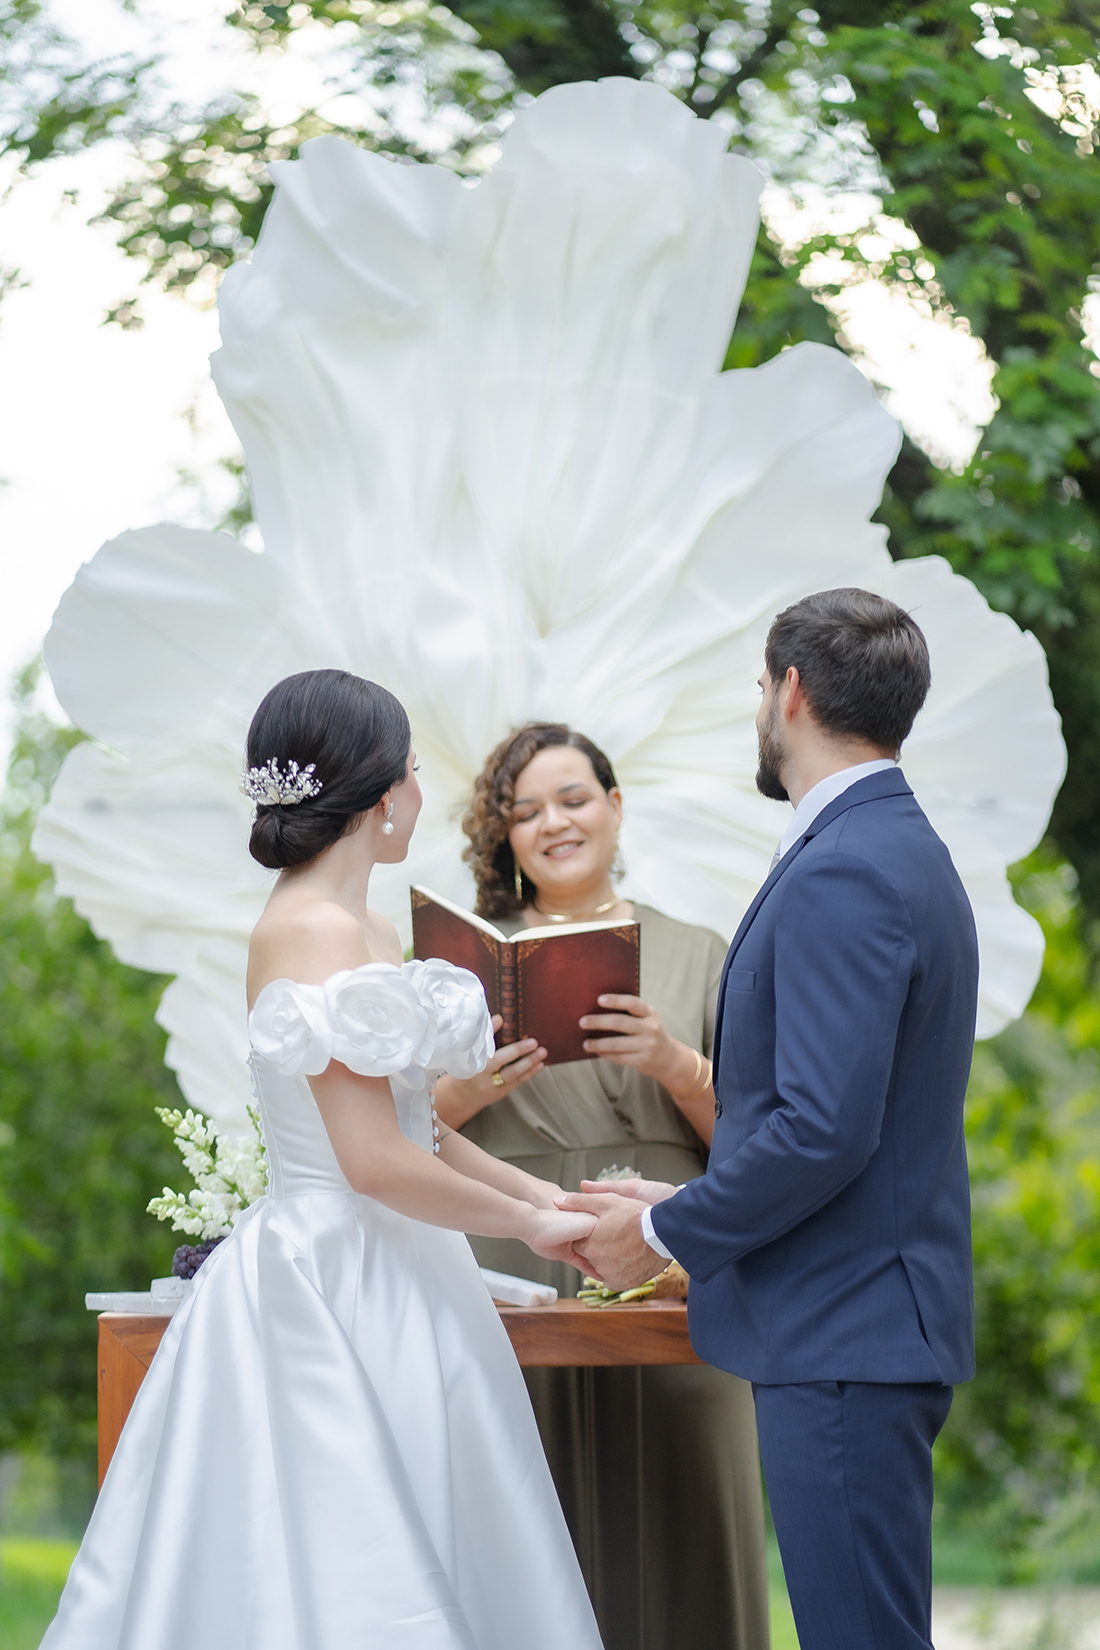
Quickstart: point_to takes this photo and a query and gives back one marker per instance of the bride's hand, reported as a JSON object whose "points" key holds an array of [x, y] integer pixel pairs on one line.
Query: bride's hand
{"points": [[646, 1191], [552, 1233], [458, 1099]]}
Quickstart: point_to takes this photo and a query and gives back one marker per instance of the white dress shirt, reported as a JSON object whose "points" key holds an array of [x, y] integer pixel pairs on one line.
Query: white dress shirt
{"points": [[818, 797]]}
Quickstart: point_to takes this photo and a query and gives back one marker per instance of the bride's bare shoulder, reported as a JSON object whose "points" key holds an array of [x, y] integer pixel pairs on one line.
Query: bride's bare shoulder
{"points": [[307, 940]]}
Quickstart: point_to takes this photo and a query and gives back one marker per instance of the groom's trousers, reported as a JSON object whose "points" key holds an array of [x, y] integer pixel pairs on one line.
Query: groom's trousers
{"points": [[848, 1466]]}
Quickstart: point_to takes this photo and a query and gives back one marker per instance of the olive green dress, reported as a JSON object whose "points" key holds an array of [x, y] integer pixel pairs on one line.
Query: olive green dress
{"points": [[657, 1468]]}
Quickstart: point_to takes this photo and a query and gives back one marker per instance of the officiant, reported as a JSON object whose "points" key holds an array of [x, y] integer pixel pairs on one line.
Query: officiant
{"points": [[656, 1467]]}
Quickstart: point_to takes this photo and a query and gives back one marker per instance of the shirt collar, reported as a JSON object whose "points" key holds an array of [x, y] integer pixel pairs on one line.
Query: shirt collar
{"points": [[824, 792]]}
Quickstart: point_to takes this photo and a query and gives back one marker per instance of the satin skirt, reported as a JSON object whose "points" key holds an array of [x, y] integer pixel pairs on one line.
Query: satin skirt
{"points": [[333, 1448]]}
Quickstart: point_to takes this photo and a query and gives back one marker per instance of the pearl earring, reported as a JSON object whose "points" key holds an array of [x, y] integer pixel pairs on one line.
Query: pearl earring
{"points": [[387, 829]]}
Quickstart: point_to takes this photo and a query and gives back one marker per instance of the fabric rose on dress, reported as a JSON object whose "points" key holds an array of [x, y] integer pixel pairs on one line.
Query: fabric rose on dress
{"points": [[455, 1001], [287, 1028], [378, 1023]]}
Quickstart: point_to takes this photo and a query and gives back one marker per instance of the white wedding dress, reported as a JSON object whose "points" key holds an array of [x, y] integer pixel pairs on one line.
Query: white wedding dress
{"points": [[334, 1446]]}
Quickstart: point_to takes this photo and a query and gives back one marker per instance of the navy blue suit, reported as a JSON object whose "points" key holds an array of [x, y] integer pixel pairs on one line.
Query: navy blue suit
{"points": [[828, 1242]]}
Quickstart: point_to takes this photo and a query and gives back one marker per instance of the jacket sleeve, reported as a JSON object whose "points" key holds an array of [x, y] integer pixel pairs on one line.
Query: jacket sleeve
{"points": [[844, 957]]}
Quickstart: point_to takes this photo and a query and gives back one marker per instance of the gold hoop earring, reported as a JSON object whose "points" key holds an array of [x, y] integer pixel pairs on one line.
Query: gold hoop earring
{"points": [[518, 879]]}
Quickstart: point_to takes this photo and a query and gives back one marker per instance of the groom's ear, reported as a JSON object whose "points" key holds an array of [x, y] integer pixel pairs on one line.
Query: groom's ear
{"points": [[792, 698]]}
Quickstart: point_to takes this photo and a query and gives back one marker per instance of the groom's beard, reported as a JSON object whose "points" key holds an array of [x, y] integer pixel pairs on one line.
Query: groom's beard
{"points": [[768, 782]]}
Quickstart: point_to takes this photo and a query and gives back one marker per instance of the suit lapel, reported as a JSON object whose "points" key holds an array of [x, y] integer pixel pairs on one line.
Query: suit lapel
{"points": [[891, 782], [742, 929]]}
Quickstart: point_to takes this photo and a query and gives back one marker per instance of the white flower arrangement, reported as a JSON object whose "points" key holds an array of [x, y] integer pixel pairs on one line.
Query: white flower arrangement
{"points": [[229, 1175]]}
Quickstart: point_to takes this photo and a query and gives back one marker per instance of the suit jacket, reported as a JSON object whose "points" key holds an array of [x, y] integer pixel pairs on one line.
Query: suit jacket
{"points": [[830, 1236]]}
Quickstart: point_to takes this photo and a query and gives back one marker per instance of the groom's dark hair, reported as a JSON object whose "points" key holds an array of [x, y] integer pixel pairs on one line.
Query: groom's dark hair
{"points": [[861, 660]]}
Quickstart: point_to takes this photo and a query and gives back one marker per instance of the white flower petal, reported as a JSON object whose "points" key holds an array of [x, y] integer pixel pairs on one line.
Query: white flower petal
{"points": [[289, 1028], [378, 1023], [455, 1003]]}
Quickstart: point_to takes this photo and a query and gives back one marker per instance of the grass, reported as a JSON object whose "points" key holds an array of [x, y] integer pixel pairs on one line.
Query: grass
{"points": [[32, 1574], [784, 1636]]}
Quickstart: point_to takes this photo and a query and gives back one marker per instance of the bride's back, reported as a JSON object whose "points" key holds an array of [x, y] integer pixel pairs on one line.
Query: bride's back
{"points": [[306, 934]]}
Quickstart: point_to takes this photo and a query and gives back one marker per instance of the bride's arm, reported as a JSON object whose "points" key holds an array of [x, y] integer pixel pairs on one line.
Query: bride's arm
{"points": [[471, 1161], [461, 1188], [359, 1116]]}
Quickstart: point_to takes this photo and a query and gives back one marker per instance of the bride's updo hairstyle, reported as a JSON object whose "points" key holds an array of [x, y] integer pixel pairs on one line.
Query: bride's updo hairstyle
{"points": [[488, 819], [357, 736]]}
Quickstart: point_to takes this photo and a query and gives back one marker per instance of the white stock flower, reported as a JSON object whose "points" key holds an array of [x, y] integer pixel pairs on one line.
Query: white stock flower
{"points": [[377, 1021], [288, 1029], [455, 1000], [229, 1176]]}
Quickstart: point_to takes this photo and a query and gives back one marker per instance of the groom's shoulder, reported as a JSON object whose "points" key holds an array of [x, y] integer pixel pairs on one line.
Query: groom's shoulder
{"points": [[893, 836], [879, 807]]}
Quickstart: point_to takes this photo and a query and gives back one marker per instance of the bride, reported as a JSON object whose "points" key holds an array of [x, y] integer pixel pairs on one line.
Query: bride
{"points": [[334, 1445]]}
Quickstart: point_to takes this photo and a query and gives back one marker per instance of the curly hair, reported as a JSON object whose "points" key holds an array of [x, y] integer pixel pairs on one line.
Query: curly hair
{"points": [[489, 817]]}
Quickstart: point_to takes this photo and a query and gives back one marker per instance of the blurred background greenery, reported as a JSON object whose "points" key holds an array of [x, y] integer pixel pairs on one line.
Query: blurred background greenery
{"points": [[973, 130]]}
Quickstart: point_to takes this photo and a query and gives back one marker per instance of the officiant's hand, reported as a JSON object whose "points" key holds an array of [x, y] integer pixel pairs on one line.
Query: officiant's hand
{"points": [[616, 1252], [640, 1040], [458, 1099]]}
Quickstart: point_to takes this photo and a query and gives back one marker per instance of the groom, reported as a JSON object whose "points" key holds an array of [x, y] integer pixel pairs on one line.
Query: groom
{"points": [[828, 1242]]}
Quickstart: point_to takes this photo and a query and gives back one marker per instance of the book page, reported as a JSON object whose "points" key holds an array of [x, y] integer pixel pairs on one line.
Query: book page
{"points": [[548, 932], [459, 911]]}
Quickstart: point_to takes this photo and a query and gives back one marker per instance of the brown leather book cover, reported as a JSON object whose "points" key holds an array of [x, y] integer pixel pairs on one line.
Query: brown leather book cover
{"points": [[543, 979], [560, 976]]}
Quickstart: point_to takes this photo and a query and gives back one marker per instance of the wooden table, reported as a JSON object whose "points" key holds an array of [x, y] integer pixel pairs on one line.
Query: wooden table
{"points": [[568, 1333]]}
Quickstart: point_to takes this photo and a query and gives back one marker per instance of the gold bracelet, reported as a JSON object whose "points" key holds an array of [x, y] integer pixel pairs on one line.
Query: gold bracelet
{"points": [[694, 1093]]}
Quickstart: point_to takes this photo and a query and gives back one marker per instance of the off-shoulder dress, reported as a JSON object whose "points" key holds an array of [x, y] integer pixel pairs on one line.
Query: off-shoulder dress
{"points": [[334, 1447]]}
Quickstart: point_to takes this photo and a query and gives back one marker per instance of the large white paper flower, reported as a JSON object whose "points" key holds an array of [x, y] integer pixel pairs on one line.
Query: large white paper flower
{"points": [[497, 468], [456, 1006]]}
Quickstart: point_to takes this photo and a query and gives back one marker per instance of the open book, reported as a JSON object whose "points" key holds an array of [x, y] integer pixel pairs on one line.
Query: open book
{"points": [[542, 980]]}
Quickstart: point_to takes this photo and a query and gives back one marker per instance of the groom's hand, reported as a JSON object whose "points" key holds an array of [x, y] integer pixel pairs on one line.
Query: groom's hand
{"points": [[616, 1250], [646, 1191]]}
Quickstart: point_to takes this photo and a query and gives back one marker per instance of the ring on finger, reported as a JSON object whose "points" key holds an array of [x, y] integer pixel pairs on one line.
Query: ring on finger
{"points": [[498, 1079]]}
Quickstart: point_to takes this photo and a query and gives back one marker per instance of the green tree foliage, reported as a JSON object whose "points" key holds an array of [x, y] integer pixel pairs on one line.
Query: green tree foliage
{"points": [[1020, 1456], [81, 1149], [52, 101], [198, 198], [989, 146]]}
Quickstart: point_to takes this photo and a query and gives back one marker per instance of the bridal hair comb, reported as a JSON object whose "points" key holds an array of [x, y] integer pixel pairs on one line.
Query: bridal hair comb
{"points": [[271, 788]]}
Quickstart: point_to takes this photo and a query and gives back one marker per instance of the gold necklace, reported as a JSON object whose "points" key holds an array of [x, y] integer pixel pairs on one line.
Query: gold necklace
{"points": [[567, 916]]}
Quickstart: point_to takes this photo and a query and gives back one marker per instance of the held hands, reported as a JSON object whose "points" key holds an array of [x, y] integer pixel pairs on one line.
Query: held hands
{"points": [[645, 1191], [615, 1251], [552, 1234]]}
